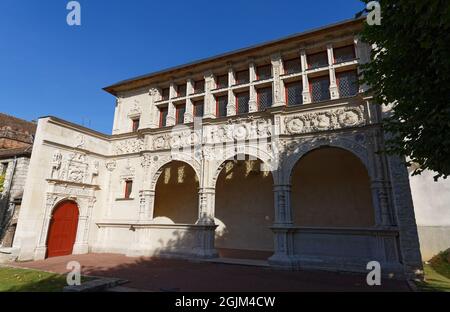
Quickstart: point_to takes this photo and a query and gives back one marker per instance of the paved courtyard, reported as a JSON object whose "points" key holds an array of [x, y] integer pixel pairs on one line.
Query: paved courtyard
{"points": [[182, 275]]}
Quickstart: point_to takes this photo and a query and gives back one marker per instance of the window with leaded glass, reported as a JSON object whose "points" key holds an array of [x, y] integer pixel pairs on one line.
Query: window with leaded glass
{"points": [[222, 81], [264, 96], [292, 66], [165, 94], [180, 111], [294, 94], [181, 90], [199, 86], [242, 100], [317, 60], [320, 89], [198, 108], [242, 77], [264, 72], [344, 54], [163, 116], [347, 83], [221, 106]]}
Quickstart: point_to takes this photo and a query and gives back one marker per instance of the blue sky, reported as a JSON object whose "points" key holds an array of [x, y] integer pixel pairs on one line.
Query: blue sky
{"points": [[50, 68]]}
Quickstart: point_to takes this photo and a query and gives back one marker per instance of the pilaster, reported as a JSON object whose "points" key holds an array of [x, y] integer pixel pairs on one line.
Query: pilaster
{"points": [[305, 93], [334, 91], [278, 89]]}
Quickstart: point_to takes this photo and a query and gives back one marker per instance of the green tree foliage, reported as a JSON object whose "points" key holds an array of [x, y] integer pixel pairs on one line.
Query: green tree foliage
{"points": [[2, 181], [410, 69]]}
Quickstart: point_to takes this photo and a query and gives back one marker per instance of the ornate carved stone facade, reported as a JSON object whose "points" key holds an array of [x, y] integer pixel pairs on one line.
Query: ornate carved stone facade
{"points": [[93, 173]]}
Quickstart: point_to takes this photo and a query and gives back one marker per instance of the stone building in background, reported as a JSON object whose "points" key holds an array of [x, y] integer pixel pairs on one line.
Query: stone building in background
{"points": [[16, 139]]}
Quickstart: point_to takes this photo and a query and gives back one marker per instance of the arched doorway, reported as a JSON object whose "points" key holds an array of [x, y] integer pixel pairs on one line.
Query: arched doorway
{"points": [[244, 210], [331, 188], [176, 194], [63, 229]]}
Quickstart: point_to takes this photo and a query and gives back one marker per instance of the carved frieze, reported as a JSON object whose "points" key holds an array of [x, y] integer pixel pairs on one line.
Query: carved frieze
{"points": [[325, 120], [129, 146]]}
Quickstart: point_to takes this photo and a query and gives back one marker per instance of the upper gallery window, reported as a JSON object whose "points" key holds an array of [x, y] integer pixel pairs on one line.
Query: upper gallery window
{"points": [[198, 108], [165, 94], [292, 66], [348, 83], [264, 72], [128, 189], [264, 98], [242, 77], [163, 116], [242, 100], [180, 111], [320, 88], [199, 86], [222, 81], [294, 92], [317, 60], [344, 54], [181, 90], [221, 105]]}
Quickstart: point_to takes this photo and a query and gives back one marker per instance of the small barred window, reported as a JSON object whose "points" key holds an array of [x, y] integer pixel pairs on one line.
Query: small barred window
{"points": [[294, 94], [264, 98], [221, 106], [344, 54], [317, 60], [264, 72], [348, 83], [320, 89], [198, 108], [292, 66], [242, 77], [242, 100]]}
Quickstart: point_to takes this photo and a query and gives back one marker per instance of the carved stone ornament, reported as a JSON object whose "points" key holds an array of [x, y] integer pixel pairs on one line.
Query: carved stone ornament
{"points": [[129, 146], [74, 167]]}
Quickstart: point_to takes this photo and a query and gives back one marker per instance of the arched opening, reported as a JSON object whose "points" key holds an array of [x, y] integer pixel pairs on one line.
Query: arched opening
{"points": [[62, 230], [331, 188], [176, 194], [244, 210]]}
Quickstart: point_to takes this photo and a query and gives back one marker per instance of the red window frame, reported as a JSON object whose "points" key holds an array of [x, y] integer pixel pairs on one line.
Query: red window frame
{"points": [[178, 108], [135, 124], [128, 188], [165, 94], [258, 68], [258, 91], [312, 54], [217, 104], [162, 122]]}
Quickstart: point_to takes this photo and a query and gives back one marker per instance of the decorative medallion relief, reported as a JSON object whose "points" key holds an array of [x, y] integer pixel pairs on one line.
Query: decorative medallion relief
{"points": [[74, 167], [129, 146], [325, 120]]}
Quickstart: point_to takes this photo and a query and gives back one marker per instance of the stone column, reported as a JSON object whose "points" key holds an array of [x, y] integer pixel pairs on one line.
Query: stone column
{"points": [[189, 115], [209, 103], [116, 127], [171, 108], [206, 199], [334, 91], [306, 94], [283, 229], [252, 105], [278, 89], [146, 205]]}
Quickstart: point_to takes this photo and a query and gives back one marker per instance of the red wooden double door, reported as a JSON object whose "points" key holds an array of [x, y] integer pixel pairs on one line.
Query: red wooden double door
{"points": [[62, 231]]}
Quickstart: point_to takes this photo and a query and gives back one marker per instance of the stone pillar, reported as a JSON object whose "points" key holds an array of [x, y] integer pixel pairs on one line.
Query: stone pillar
{"points": [[209, 103], [306, 94], [171, 107], [206, 199], [334, 91], [150, 119], [252, 105], [278, 89], [283, 229], [117, 113], [146, 205], [189, 115], [362, 53]]}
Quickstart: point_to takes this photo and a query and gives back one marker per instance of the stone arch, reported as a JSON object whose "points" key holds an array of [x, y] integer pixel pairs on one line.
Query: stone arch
{"points": [[331, 188], [302, 148], [161, 162], [176, 193]]}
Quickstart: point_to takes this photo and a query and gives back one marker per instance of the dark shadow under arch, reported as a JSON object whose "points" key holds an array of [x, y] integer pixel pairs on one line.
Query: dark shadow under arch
{"points": [[331, 188]]}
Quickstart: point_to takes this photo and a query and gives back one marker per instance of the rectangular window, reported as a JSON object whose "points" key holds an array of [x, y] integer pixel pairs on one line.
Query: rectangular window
{"points": [[165, 94], [264, 72], [294, 94], [199, 86], [317, 60], [163, 116], [128, 188], [264, 96], [221, 106], [347, 83], [198, 108], [181, 90], [320, 89], [135, 124], [242, 77], [242, 100], [344, 54], [180, 111], [292, 66], [222, 81]]}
